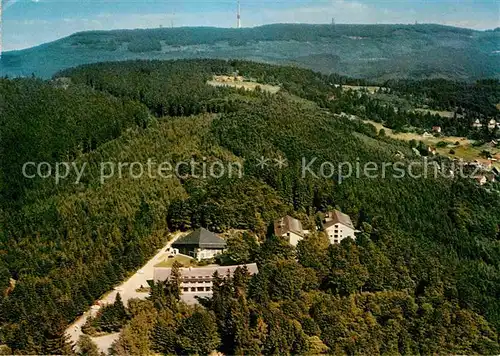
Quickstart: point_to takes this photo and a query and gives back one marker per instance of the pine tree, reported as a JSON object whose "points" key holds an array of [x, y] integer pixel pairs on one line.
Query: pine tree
{"points": [[86, 347], [164, 337], [58, 342], [58, 345], [175, 280], [198, 333], [119, 309]]}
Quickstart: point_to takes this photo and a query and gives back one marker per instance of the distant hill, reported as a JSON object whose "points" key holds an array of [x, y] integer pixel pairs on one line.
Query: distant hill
{"points": [[377, 52]]}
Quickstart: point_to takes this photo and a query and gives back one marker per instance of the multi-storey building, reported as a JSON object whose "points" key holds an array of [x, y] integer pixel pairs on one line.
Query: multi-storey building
{"points": [[198, 281]]}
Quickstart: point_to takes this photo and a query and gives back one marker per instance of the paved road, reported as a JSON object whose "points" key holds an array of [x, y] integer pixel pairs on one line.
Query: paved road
{"points": [[127, 291]]}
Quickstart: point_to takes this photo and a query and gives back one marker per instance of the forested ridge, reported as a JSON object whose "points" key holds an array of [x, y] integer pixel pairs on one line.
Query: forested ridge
{"points": [[423, 276], [378, 52]]}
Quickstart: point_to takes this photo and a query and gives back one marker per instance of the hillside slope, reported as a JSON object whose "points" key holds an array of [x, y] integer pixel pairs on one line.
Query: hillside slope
{"points": [[427, 255], [377, 52]]}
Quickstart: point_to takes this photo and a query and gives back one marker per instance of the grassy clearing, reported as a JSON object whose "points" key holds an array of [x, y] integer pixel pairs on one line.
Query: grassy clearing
{"points": [[371, 90], [239, 82], [408, 136], [185, 261], [447, 114]]}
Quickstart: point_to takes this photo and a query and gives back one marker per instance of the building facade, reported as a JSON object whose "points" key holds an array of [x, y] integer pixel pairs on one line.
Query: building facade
{"points": [[201, 244], [198, 281], [338, 226], [290, 229]]}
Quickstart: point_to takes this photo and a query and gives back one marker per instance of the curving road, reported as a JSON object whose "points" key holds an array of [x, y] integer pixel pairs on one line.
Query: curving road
{"points": [[127, 291]]}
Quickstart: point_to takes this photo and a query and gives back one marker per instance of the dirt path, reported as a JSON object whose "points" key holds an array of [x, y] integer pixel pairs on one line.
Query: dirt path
{"points": [[127, 291]]}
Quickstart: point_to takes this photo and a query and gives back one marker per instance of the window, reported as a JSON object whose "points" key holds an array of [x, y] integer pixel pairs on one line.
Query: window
{"points": [[336, 241], [193, 289], [185, 289], [336, 236], [200, 289], [207, 289]]}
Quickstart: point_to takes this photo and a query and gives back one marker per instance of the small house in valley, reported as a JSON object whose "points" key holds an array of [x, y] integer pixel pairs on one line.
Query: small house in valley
{"points": [[338, 226], [200, 244], [290, 229]]}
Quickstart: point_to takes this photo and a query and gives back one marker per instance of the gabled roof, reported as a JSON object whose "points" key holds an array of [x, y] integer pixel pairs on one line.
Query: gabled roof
{"points": [[338, 218], [288, 224], [201, 238], [163, 273]]}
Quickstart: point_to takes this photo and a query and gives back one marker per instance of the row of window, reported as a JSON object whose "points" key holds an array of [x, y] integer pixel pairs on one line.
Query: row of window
{"points": [[336, 238], [197, 277], [197, 289], [194, 280]]}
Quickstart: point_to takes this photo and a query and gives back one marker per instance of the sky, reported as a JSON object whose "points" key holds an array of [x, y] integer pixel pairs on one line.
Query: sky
{"points": [[27, 23]]}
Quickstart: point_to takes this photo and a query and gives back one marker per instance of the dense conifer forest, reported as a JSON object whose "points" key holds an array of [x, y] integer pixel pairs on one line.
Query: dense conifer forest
{"points": [[422, 276], [379, 52]]}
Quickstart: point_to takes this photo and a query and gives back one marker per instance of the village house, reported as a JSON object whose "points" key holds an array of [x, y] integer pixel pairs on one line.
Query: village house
{"points": [[338, 226], [198, 281], [477, 124], [432, 150], [436, 129], [492, 124], [200, 244], [289, 228], [482, 180]]}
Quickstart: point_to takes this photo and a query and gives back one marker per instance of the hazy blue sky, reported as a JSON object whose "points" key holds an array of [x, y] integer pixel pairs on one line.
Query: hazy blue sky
{"points": [[32, 22]]}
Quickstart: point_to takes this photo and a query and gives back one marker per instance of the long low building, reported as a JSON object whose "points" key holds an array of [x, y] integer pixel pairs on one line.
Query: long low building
{"points": [[198, 281]]}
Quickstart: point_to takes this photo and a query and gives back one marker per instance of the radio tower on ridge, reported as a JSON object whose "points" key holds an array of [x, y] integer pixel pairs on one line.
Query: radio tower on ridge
{"points": [[1, 29], [238, 16]]}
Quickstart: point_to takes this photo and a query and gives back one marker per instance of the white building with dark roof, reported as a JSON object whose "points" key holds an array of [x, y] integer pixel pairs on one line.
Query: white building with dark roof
{"points": [[290, 229], [200, 244], [338, 226], [198, 281], [477, 124]]}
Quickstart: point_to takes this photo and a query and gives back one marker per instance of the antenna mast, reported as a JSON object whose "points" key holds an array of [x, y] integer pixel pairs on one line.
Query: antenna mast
{"points": [[1, 29], [238, 16]]}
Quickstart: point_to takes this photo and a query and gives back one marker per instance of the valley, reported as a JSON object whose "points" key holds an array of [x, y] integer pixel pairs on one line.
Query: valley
{"points": [[461, 147]]}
